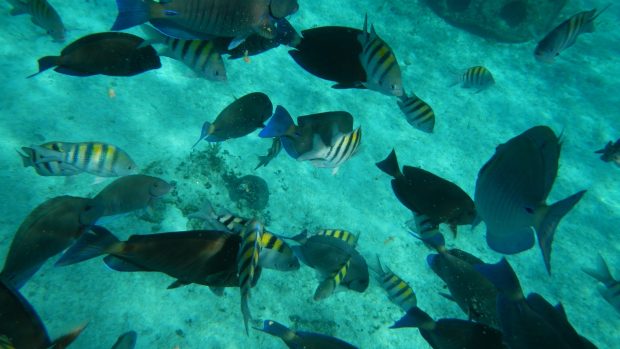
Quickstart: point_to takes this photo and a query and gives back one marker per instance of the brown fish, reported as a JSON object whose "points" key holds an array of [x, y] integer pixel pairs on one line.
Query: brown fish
{"points": [[130, 193], [206, 19], [49, 229], [238, 119], [205, 257], [113, 54], [43, 14], [22, 327]]}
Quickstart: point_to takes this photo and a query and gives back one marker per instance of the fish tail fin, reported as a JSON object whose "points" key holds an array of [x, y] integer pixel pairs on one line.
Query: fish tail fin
{"points": [[263, 160], [503, 277], [280, 122], [600, 272], [45, 63], [68, 338], [415, 317], [92, 244], [390, 165], [206, 128], [277, 329], [545, 231], [131, 13]]}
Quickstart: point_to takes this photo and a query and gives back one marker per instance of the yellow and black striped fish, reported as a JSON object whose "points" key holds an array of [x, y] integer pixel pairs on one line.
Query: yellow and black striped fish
{"points": [[565, 35], [100, 159], [329, 285], [247, 264], [43, 15], [417, 112], [342, 149], [382, 70], [477, 77], [48, 168], [399, 292], [199, 55], [339, 234]]}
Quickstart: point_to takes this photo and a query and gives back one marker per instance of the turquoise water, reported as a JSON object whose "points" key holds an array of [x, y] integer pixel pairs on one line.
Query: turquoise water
{"points": [[157, 116]]}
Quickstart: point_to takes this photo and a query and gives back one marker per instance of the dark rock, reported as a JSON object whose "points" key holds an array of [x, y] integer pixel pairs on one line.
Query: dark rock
{"points": [[250, 191], [502, 20]]}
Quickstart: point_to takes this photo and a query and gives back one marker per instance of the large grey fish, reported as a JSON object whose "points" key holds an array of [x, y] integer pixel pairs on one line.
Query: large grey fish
{"points": [[199, 55], [130, 193], [511, 190], [21, 327], [529, 323], [382, 70], [206, 19], [301, 339], [43, 14], [49, 229], [238, 119], [565, 35], [611, 289]]}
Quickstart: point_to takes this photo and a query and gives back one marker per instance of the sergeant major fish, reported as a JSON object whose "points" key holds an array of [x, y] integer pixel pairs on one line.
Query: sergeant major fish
{"points": [[382, 70], [565, 35], [247, 264], [399, 292], [199, 55], [43, 14], [46, 168], [477, 77], [329, 285], [417, 112], [343, 147]]}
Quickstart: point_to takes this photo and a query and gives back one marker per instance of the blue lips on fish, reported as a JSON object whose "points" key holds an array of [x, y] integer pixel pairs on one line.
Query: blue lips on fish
{"points": [[512, 202]]}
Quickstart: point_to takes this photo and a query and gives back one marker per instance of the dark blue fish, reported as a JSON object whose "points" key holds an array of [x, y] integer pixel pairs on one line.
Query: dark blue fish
{"points": [[511, 201], [301, 339]]}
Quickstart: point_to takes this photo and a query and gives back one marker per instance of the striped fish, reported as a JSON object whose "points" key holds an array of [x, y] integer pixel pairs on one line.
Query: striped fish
{"points": [[379, 62], [343, 235], [206, 19], [399, 292], [329, 285], [100, 159], [477, 77], [43, 15], [417, 112], [611, 291], [565, 35], [343, 147], [247, 264], [48, 168], [199, 55]]}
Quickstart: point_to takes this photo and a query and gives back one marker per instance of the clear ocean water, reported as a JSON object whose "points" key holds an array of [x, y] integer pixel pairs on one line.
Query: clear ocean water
{"points": [[157, 116]]}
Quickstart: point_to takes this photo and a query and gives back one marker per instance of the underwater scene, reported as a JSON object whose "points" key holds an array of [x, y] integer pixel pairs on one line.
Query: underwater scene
{"points": [[231, 174]]}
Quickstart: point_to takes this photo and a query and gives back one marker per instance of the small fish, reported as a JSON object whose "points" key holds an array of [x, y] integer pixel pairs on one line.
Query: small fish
{"points": [[247, 263], [529, 323], [256, 44], [332, 53], [126, 341], [342, 149], [417, 112], [47, 168], [399, 292], [130, 193], [429, 195], [199, 55], [238, 119], [109, 53], [264, 160], [49, 229], [565, 35], [477, 77], [611, 152], [382, 69], [511, 202], [301, 339], [205, 19], [611, 289], [43, 14], [329, 285], [339, 234], [452, 333], [21, 327], [100, 159], [204, 257]]}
